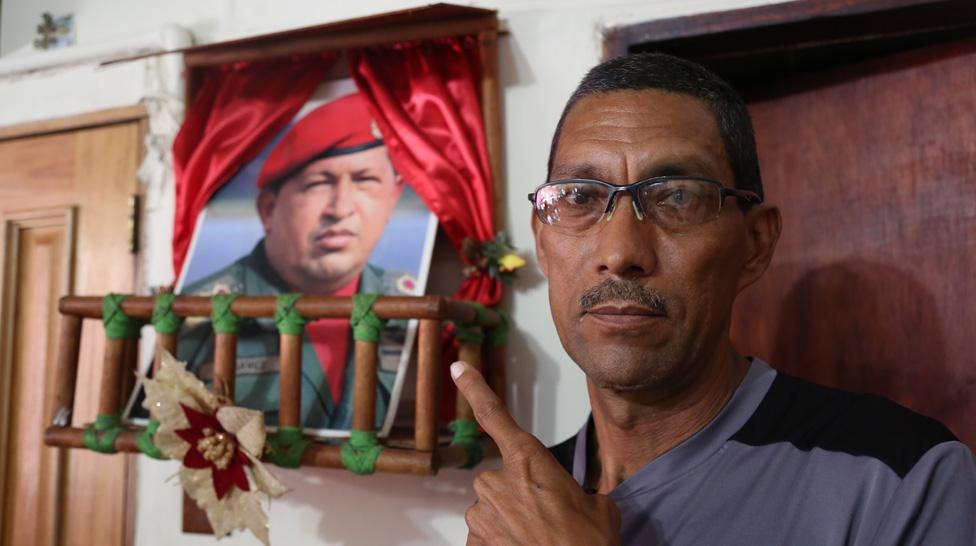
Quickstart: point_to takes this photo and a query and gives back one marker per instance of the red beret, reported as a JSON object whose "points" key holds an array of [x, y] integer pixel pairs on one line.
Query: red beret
{"points": [[341, 126]]}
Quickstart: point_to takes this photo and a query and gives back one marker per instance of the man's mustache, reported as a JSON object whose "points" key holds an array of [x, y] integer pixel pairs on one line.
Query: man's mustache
{"points": [[615, 290]]}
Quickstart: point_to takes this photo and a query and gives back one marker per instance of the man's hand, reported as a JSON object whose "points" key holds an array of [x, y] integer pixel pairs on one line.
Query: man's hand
{"points": [[531, 500]]}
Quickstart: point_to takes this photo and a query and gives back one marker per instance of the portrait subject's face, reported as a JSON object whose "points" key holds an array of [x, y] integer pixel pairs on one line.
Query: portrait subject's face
{"points": [[323, 223], [693, 274]]}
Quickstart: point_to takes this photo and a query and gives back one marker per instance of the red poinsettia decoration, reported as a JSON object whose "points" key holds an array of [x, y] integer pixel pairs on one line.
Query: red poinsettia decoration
{"points": [[211, 446]]}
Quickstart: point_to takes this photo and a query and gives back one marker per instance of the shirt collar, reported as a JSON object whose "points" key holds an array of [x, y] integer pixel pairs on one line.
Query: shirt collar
{"points": [[696, 449]]}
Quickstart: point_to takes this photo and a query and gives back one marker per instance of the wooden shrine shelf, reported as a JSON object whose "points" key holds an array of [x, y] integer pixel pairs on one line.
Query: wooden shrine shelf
{"points": [[425, 453]]}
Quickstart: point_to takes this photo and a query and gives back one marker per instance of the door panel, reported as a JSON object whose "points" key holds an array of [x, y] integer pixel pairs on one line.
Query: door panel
{"points": [[871, 289], [64, 203], [37, 253]]}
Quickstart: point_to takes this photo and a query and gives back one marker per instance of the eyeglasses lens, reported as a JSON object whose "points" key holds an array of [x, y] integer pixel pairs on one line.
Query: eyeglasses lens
{"points": [[572, 205], [681, 203]]}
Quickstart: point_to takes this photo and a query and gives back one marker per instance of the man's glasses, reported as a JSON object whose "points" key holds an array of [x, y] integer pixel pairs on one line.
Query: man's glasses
{"points": [[673, 202]]}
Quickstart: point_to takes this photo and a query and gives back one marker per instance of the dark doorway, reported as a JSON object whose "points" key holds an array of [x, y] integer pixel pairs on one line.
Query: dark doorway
{"points": [[864, 114]]}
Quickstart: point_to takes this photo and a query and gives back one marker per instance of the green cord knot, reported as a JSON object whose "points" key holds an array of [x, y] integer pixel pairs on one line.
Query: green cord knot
{"points": [[164, 320], [470, 332], [366, 325], [499, 334], [466, 435], [285, 448], [224, 320], [144, 440], [287, 318], [359, 454], [117, 324], [100, 436]]}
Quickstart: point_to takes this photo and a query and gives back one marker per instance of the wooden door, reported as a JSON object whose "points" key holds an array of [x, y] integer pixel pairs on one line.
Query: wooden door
{"points": [[872, 287], [64, 228]]}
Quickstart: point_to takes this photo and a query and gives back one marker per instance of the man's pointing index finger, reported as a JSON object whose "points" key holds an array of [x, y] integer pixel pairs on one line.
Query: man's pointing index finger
{"points": [[489, 410]]}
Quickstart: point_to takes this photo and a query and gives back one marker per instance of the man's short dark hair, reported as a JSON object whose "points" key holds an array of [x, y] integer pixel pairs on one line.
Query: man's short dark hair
{"points": [[660, 72]]}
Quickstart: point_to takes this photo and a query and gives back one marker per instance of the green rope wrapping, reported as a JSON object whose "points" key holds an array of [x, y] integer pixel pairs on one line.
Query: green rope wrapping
{"points": [[144, 441], [285, 448], [359, 454], [224, 320], [499, 334], [100, 436], [164, 320], [469, 332], [366, 325], [287, 318], [466, 435], [117, 324]]}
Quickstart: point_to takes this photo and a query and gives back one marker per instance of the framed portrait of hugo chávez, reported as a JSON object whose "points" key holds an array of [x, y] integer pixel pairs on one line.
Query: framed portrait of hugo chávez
{"points": [[324, 162], [322, 210]]}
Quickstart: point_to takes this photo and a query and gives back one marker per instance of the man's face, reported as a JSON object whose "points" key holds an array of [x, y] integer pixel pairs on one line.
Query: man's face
{"points": [[323, 223], [655, 302]]}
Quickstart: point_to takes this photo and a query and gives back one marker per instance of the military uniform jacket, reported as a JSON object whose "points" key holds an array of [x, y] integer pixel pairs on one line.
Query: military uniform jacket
{"points": [[258, 347]]}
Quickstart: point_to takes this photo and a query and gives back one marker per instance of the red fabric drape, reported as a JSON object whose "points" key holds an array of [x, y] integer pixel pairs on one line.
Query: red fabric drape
{"points": [[235, 114], [426, 100]]}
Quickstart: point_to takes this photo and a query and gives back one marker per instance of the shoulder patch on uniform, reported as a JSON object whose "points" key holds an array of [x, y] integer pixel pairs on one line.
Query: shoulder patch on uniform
{"points": [[220, 288], [407, 284]]}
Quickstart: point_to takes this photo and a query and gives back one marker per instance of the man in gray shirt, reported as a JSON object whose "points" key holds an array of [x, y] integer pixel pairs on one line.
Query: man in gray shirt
{"points": [[651, 223]]}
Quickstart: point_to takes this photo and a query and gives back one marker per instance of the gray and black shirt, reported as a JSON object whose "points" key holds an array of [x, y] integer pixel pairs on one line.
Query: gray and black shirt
{"points": [[787, 462]]}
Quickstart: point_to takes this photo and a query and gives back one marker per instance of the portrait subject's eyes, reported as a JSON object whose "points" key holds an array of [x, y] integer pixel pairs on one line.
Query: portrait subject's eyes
{"points": [[318, 182], [366, 178]]}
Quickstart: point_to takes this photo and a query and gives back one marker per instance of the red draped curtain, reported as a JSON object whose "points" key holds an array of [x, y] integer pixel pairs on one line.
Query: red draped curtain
{"points": [[238, 111], [426, 100]]}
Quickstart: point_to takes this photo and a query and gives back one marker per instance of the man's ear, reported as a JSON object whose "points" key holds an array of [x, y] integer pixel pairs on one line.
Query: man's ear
{"points": [[540, 252], [265, 205], [764, 224]]}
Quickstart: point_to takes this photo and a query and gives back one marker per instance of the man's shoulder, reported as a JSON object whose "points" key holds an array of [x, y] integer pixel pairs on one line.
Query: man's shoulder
{"points": [[225, 280], [811, 416]]}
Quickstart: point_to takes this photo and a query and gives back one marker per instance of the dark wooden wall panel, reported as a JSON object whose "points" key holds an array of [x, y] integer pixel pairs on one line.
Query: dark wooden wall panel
{"points": [[872, 287]]}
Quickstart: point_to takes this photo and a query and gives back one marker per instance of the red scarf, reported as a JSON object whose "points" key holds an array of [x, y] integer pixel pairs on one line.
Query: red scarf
{"points": [[330, 339]]}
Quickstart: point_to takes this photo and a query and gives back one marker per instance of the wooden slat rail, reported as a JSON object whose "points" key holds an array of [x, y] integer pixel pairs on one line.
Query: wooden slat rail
{"points": [[428, 363], [497, 375], [110, 395], [225, 364], [310, 307], [470, 353], [290, 381], [426, 457], [69, 346], [166, 342], [364, 387]]}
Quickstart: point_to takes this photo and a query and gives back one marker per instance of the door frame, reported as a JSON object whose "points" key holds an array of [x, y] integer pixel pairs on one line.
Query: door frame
{"points": [[769, 41], [85, 120]]}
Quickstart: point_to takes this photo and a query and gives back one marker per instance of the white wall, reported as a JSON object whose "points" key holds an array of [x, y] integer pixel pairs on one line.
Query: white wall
{"points": [[551, 44]]}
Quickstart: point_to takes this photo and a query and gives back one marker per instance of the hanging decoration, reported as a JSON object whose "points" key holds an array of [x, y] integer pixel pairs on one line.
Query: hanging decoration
{"points": [[220, 446], [496, 258]]}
